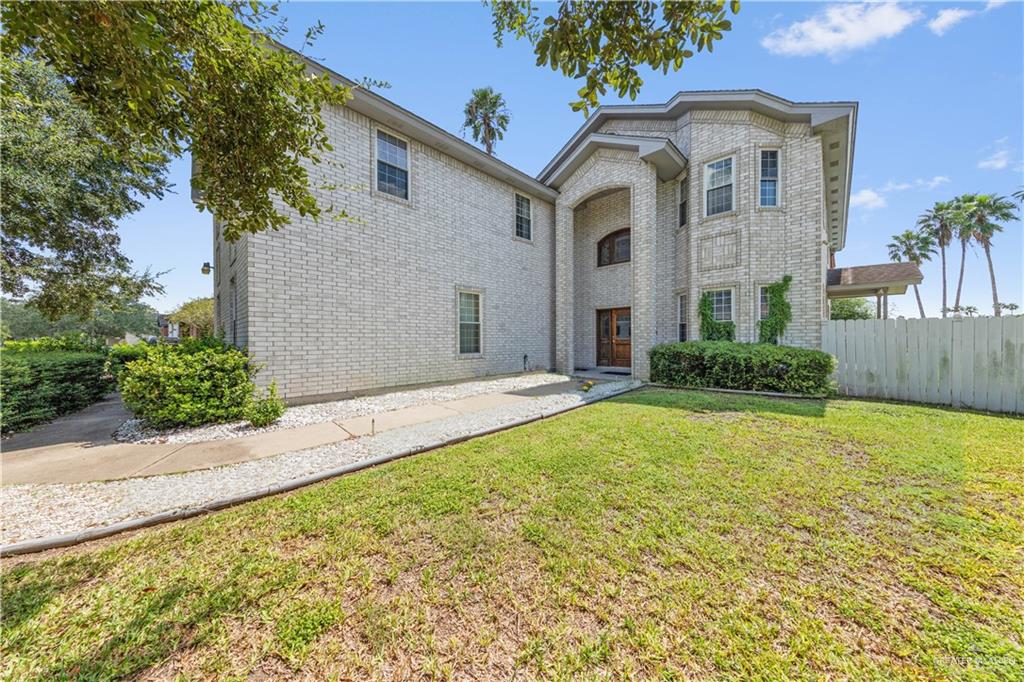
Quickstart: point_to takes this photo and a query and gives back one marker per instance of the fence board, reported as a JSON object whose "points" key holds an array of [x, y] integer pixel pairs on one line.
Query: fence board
{"points": [[968, 362]]}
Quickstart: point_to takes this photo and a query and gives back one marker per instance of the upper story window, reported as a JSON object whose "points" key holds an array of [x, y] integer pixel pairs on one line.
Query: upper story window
{"points": [[614, 248], [721, 304], [392, 165], [524, 222], [769, 191], [718, 179], [684, 194]]}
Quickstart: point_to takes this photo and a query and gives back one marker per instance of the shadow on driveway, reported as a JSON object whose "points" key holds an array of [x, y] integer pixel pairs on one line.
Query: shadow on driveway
{"points": [[94, 425]]}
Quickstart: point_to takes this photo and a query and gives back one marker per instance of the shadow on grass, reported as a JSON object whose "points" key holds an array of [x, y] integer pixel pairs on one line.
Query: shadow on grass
{"points": [[696, 400]]}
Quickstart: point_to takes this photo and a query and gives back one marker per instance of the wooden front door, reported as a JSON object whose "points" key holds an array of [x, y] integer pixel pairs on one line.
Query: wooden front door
{"points": [[614, 344]]}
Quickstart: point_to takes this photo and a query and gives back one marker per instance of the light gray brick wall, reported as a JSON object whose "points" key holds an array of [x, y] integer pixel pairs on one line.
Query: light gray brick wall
{"points": [[348, 305], [231, 269]]}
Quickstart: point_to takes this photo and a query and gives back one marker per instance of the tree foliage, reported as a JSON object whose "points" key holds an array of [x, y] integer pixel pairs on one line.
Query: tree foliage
{"points": [[64, 188], [852, 309], [26, 322], [199, 313], [487, 116], [913, 247], [163, 78], [604, 43]]}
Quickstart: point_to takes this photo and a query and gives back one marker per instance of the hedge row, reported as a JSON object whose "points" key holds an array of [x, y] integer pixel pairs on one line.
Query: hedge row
{"points": [[41, 385], [742, 366]]}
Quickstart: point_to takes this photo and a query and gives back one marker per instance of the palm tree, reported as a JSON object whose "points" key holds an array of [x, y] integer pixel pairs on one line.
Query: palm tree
{"points": [[938, 221], [984, 212], [487, 117], [914, 247], [964, 234]]}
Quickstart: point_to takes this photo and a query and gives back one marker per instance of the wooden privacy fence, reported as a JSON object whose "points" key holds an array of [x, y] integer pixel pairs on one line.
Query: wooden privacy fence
{"points": [[963, 362]]}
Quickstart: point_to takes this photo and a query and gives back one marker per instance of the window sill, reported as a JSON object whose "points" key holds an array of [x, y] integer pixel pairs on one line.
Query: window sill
{"points": [[469, 356], [769, 209], [524, 240], [718, 216], [391, 197], [613, 265]]}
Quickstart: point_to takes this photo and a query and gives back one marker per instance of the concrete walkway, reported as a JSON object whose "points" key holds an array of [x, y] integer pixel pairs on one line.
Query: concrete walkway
{"points": [[79, 448]]}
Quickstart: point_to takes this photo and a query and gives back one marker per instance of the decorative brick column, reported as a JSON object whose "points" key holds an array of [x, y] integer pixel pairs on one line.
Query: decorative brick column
{"points": [[643, 251], [564, 286]]}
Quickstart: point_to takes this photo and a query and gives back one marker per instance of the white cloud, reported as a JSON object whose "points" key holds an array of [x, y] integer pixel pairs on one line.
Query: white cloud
{"points": [[841, 28], [947, 19], [997, 161], [995, 4], [893, 186], [934, 182], [920, 183], [868, 199]]}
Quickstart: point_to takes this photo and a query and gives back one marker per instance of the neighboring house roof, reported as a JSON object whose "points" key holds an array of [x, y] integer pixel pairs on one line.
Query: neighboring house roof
{"points": [[867, 280], [836, 122], [665, 156], [385, 111]]}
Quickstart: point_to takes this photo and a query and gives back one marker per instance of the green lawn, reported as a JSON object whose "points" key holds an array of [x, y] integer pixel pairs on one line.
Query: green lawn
{"points": [[672, 534]]}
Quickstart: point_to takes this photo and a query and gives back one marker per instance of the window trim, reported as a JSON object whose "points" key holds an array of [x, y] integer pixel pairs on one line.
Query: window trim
{"points": [[732, 300], [762, 290], [682, 307], [459, 291], [515, 216], [683, 217], [374, 140], [778, 177], [706, 188], [611, 236]]}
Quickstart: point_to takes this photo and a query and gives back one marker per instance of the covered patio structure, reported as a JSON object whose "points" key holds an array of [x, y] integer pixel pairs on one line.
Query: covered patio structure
{"points": [[864, 281]]}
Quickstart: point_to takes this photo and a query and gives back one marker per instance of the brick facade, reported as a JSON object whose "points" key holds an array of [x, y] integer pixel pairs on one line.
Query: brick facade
{"points": [[349, 305]]}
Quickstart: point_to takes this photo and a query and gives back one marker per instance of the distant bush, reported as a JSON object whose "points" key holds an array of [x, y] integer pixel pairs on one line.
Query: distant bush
{"points": [[40, 385], [69, 342], [196, 382], [121, 354], [742, 366], [266, 410]]}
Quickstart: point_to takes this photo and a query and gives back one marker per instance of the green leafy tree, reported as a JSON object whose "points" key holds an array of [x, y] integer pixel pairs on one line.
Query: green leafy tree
{"points": [[209, 78], [604, 43], [984, 213], [27, 322], [487, 116], [63, 192], [198, 313], [939, 222], [913, 247], [851, 309], [964, 234]]}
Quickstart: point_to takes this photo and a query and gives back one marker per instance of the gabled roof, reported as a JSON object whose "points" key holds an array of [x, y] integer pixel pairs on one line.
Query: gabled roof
{"points": [[866, 280], [836, 122], [661, 152], [385, 111]]}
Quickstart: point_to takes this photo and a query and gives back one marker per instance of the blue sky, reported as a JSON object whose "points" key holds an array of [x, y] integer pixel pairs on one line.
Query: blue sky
{"points": [[940, 87]]}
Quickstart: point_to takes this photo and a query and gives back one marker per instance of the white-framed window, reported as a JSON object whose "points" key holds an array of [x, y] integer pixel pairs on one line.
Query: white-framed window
{"points": [[719, 194], [768, 191], [233, 310], [762, 303], [392, 165], [682, 317], [469, 323], [684, 194], [721, 304], [524, 217]]}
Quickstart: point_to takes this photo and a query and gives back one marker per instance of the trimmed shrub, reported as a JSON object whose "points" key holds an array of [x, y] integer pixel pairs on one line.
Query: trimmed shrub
{"points": [[68, 342], [189, 384], [266, 410], [42, 385], [120, 354], [742, 366]]}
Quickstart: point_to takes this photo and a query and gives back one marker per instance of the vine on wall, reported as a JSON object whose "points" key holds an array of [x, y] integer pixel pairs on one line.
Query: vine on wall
{"points": [[770, 329], [710, 328]]}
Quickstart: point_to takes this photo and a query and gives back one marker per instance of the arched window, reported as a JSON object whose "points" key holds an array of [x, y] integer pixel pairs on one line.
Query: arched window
{"points": [[613, 248]]}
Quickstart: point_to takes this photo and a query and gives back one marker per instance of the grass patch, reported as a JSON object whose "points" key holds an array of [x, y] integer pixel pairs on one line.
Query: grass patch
{"points": [[674, 534]]}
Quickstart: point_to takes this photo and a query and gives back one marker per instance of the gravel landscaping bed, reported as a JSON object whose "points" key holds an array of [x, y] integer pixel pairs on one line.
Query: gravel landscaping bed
{"points": [[137, 431], [36, 511]]}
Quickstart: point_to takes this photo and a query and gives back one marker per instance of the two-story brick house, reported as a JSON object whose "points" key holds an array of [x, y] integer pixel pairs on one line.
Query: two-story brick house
{"points": [[456, 265]]}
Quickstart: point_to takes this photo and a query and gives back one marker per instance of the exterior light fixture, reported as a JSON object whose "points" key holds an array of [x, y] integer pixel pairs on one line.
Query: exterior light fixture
{"points": [[206, 268]]}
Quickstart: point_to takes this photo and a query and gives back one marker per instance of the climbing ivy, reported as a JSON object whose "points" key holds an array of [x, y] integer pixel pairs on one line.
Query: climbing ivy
{"points": [[779, 312], [710, 328]]}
